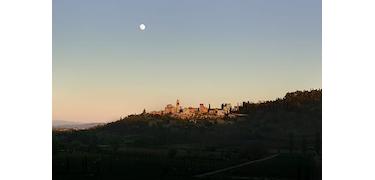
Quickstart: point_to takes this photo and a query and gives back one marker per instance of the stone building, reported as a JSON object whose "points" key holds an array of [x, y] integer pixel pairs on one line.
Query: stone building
{"points": [[236, 108], [226, 107], [202, 109], [212, 111], [186, 111], [170, 109], [220, 112], [156, 112], [193, 110]]}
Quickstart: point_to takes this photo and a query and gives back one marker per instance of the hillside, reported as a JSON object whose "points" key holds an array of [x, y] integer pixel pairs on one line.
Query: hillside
{"points": [[298, 112]]}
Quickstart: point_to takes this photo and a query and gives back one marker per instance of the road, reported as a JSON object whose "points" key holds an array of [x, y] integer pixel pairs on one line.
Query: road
{"points": [[236, 166]]}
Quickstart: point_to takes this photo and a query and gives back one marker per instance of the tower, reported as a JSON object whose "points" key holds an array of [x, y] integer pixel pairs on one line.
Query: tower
{"points": [[144, 112], [177, 106]]}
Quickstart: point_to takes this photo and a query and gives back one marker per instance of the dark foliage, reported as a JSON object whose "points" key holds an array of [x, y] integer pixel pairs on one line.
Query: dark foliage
{"points": [[270, 122]]}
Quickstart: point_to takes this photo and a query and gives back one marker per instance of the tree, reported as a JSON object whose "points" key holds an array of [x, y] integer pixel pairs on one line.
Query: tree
{"points": [[317, 142], [227, 152], [55, 145], [278, 145], [307, 172], [253, 151], [172, 152], [115, 141], [67, 165], [93, 144], [189, 152], [75, 145], [211, 148], [299, 171], [110, 164], [291, 142], [304, 144]]}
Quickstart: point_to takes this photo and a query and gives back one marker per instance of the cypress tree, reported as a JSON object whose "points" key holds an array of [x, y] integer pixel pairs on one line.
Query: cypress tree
{"points": [[67, 165], [299, 171], [291, 142], [317, 142], [304, 144]]}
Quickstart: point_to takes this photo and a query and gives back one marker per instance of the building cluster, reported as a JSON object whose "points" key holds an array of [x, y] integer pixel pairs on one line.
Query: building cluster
{"points": [[191, 112]]}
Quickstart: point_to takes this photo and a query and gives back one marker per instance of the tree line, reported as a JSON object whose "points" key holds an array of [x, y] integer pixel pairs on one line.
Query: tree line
{"points": [[291, 100]]}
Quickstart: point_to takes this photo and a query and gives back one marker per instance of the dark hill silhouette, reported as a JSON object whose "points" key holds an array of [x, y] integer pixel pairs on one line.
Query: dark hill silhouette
{"points": [[298, 112]]}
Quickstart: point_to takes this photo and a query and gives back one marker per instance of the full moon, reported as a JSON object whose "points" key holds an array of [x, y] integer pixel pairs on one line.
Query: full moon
{"points": [[142, 27]]}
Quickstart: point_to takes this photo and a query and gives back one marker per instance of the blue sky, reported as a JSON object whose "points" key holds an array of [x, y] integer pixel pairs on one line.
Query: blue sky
{"points": [[105, 67]]}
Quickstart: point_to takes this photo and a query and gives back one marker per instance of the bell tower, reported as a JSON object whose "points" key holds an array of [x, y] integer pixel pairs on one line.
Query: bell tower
{"points": [[177, 106]]}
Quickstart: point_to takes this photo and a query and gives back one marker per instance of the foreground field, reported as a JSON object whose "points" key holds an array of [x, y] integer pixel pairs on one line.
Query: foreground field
{"points": [[143, 166], [137, 165], [284, 166]]}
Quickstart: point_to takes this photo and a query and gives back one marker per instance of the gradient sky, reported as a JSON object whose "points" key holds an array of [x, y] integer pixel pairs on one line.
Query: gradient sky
{"points": [[196, 51]]}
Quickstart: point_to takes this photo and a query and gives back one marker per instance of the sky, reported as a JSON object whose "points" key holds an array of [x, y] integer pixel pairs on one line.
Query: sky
{"points": [[104, 67]]}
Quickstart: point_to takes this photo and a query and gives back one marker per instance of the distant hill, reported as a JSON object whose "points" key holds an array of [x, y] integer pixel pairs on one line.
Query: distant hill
{"points": [[62, 122], [78, 126]]}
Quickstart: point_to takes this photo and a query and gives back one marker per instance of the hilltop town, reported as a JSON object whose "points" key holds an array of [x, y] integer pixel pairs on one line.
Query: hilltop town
{"points": [[200, 112]]}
